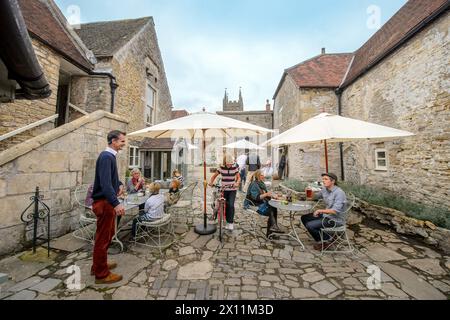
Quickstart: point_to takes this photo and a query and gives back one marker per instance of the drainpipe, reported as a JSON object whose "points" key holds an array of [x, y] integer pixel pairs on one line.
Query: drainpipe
{"points": [[112, 83], [17, 53], [341, 145]]}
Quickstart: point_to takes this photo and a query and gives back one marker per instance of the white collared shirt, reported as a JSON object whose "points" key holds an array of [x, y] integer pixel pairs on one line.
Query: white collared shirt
{"points": [[110, 150]]}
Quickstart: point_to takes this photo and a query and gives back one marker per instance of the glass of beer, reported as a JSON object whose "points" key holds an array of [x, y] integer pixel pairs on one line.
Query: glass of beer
{"points": [[309, 193]]}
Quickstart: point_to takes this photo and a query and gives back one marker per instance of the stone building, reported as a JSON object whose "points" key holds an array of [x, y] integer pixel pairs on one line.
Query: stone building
{"points": [[53, 143], [262, 118], [129, 50], [398, 78]]}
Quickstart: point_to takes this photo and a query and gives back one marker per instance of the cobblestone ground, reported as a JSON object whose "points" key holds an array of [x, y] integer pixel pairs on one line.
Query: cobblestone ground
{"points": [[244, 267]]}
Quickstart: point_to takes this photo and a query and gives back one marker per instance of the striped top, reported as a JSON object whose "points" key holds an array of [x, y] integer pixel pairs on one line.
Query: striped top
{"points": [[228, 176]]}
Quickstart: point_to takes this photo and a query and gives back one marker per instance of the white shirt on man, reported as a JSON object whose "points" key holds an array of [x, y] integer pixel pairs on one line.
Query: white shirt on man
{"points": [[242, 161]]}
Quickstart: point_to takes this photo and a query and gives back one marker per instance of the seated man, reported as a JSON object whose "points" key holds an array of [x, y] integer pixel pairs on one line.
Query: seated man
{"points": [[333, 216], [154, 207]]}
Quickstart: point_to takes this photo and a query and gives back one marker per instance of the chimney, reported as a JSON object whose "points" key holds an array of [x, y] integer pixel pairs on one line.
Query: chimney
{"points": [[323, 51], [268, 107]]}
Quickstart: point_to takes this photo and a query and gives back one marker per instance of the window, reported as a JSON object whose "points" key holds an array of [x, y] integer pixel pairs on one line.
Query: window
{"points": [[134, 157], [150, 106], [381, 159]]}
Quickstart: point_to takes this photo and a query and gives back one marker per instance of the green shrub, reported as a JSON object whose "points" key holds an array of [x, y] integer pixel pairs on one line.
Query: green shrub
{"points": [[438, 216]]}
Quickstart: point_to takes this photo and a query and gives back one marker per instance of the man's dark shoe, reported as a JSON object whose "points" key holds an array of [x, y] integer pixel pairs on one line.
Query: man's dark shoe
{"points": [[276, 229], [319, 247]]}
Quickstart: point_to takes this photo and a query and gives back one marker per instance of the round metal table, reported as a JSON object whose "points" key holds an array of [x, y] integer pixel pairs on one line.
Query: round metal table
{"points": [[297, 208]]}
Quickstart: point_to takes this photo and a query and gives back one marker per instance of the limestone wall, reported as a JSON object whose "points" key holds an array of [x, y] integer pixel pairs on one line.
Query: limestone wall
{"points": [[23, 112], [130, 66], [56, 161], [410, 90], [294, 106]]}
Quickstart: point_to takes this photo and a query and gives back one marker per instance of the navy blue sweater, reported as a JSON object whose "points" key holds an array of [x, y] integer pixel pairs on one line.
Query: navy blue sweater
{"points": [[106, 185]]}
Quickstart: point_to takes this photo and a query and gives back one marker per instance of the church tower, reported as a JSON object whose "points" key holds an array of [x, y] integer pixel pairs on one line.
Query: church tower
{"points": [[233, 106]]}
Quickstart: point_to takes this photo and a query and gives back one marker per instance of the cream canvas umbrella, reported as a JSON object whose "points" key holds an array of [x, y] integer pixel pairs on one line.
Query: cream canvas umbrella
{"points": [[243, 144], [332, 128], [201, 125]]}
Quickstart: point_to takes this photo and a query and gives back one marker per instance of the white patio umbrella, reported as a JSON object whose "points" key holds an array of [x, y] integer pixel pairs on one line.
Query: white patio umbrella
{"points": [[332, 128], [243, 144], [200, 125]]}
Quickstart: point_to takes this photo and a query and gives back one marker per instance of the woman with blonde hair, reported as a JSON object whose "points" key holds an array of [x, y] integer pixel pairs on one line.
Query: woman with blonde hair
{"points": [[154, 207], [231, 179], [257, 193]]}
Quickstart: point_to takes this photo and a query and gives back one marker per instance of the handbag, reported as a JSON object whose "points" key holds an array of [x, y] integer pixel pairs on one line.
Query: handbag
{"points": [[263, 209]]}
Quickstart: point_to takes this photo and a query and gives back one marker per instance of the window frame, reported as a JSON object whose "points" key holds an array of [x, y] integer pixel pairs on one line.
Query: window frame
{"points": [[150, 88], [136, 156], [377, 166]]}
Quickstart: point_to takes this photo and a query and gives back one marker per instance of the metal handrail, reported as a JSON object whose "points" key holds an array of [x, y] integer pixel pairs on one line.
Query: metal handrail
{"points": [[28, 127]]}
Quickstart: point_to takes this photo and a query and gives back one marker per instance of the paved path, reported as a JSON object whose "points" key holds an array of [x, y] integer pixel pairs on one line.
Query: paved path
{"points": [[245, 267]]}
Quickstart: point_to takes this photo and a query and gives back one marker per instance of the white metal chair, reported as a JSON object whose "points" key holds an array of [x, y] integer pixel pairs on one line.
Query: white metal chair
{"points": [[183, 210], [155, 234], [340, 242], [88, 220], [250, 211]]}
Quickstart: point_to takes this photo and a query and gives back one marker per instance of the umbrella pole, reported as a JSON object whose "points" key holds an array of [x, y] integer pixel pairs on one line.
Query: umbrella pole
{"points": [[326, 156], [204, 229]]}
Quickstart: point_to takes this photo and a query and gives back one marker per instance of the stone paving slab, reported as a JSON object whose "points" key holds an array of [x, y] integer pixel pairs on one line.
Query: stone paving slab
{"points": [[68, 243], [245, 267]]}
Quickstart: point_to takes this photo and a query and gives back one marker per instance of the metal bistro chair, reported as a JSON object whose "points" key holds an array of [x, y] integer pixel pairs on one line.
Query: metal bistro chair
{"points": [[155, 234], [185, 202], [88, 220], [340, 242], [251, 212]]}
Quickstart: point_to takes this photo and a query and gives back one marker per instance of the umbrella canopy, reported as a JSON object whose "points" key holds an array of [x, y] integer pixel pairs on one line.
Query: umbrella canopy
{"points": [[243, 144], [335, 129], [199, 125], [191, 146], [192, 126], [331, 128]]}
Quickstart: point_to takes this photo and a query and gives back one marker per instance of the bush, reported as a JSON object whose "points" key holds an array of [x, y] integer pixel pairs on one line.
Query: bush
{"points": [[438, 216]]}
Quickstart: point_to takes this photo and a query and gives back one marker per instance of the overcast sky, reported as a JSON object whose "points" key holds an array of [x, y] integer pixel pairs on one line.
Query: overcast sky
{"points": [[210, 45]]}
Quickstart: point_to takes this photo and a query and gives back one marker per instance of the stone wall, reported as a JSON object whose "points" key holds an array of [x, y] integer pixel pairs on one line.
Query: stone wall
{"points": [[90, 93], [294, 106], [23, 112], [56, 161], [409, 90], [258, 118], [130, 65]]}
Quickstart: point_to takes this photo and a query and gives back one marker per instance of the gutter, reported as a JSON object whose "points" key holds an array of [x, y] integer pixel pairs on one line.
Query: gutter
{"points": [[112, 83], [18, 55], [341, 145]]}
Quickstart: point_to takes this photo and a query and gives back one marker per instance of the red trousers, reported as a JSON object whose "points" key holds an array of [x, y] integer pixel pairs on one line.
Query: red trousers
{"points": [[105, 231]]}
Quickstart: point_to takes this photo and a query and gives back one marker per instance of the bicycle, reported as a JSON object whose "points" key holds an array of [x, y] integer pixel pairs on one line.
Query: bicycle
{"points": [[219, 206]]}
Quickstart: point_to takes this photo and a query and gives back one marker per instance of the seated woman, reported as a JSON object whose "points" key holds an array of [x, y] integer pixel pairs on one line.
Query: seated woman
{"points": [[258, 194], [174, 193], [136, 183], [177, 175], [334, 214], [154, 207]]}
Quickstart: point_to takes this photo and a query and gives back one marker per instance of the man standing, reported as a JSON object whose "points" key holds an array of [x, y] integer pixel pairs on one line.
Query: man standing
{"points": [[242, 163], [106, 206], [334, 214], [282, 166], [254, 164]]}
